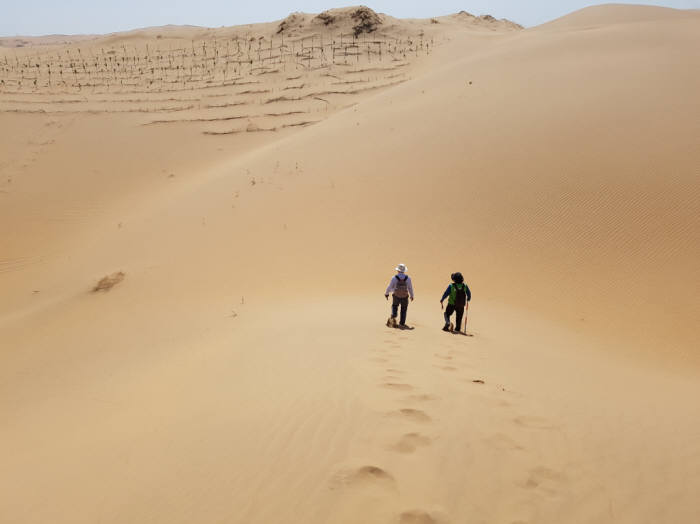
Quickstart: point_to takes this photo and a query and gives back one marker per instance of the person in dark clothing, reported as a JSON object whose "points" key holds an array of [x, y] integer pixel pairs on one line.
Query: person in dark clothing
{"points": [[458, 296], [402, 289]]}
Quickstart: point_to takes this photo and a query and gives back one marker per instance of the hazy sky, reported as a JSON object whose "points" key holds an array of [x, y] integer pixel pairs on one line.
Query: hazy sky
{"points": [[41, 17]]}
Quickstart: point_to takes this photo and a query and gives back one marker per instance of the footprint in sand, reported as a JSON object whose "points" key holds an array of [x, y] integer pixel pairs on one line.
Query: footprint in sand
{"points": [[379, 360], [364, 476], [410, 442], [397, 386], [418, 516], [394, 371], [534, 423], [503, 442], [414, 415], [443, 357], [421, 398], [544, 479]]}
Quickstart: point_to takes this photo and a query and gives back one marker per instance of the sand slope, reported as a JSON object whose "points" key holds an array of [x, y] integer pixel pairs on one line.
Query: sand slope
{"points": [[611, 14], [241, 371]]}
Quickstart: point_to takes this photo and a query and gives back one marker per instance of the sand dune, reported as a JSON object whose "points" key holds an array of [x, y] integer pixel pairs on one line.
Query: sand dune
{"points": [[611, 14], [234, 365]]}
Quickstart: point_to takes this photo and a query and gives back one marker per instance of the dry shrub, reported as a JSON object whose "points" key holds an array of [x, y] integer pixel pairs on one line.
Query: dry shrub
{"points": [[292, 21], [109, 282], [326, 18], [366, 20]]}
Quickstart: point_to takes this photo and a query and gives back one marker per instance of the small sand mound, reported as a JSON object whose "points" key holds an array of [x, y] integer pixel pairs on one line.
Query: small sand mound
{"points": [[487, 21], [109, 282], [360, 19], [293, 21]]}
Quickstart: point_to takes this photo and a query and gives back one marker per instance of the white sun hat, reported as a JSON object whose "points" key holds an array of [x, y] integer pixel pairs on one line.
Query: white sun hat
{"points": [[401, 268]]}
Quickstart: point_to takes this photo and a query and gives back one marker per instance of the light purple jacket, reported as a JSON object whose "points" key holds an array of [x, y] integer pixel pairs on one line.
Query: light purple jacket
{"points": [[394, 281]]}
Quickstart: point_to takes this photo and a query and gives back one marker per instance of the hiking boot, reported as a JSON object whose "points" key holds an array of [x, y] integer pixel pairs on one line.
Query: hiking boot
{"points": [[446, 327]]}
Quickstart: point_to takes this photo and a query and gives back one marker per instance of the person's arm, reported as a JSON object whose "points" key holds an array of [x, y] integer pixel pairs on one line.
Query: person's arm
{"points": [[446, 294], [409, 284], [392, 286], [469, 293]]}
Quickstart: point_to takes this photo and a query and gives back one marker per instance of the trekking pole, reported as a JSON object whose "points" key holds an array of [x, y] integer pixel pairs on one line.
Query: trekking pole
{"points": [[466, 316]]}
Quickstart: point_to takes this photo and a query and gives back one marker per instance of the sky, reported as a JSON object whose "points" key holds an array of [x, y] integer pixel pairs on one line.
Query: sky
{"points": [[43, 17]]}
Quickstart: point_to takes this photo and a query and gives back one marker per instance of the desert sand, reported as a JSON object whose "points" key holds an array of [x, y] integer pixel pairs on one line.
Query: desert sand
{"points": [[247, 191]]}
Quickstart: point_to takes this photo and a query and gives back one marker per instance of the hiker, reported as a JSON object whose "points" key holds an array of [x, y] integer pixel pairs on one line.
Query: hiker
{"points": [[402, 288], [458, 296]]}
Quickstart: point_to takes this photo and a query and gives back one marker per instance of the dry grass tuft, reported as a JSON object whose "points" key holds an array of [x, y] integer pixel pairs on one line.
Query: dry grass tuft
{"points": [[109, 282]]}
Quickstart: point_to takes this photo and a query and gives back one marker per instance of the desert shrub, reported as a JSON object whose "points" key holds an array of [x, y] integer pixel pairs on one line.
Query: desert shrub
{"points": [[108, 282]]}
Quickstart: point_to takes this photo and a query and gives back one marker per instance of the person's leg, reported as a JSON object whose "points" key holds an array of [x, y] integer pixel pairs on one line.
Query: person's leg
{"points": [[448, 313], [460, 313], [404, 310], [395, 307]]}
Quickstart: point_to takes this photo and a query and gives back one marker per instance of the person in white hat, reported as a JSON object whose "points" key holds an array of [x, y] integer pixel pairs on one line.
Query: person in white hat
{"points": [[402, 289]]}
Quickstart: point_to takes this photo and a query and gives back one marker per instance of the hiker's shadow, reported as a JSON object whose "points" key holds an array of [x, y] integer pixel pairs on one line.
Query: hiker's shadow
{"points": [[401, 328]]}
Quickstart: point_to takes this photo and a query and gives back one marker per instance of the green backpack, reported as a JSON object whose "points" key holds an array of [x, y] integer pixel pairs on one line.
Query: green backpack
{"points": [[458, 295]]}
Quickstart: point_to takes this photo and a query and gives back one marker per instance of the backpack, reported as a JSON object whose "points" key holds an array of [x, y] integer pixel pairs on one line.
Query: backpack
{"points": [[460, 293], [401, 290]]}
